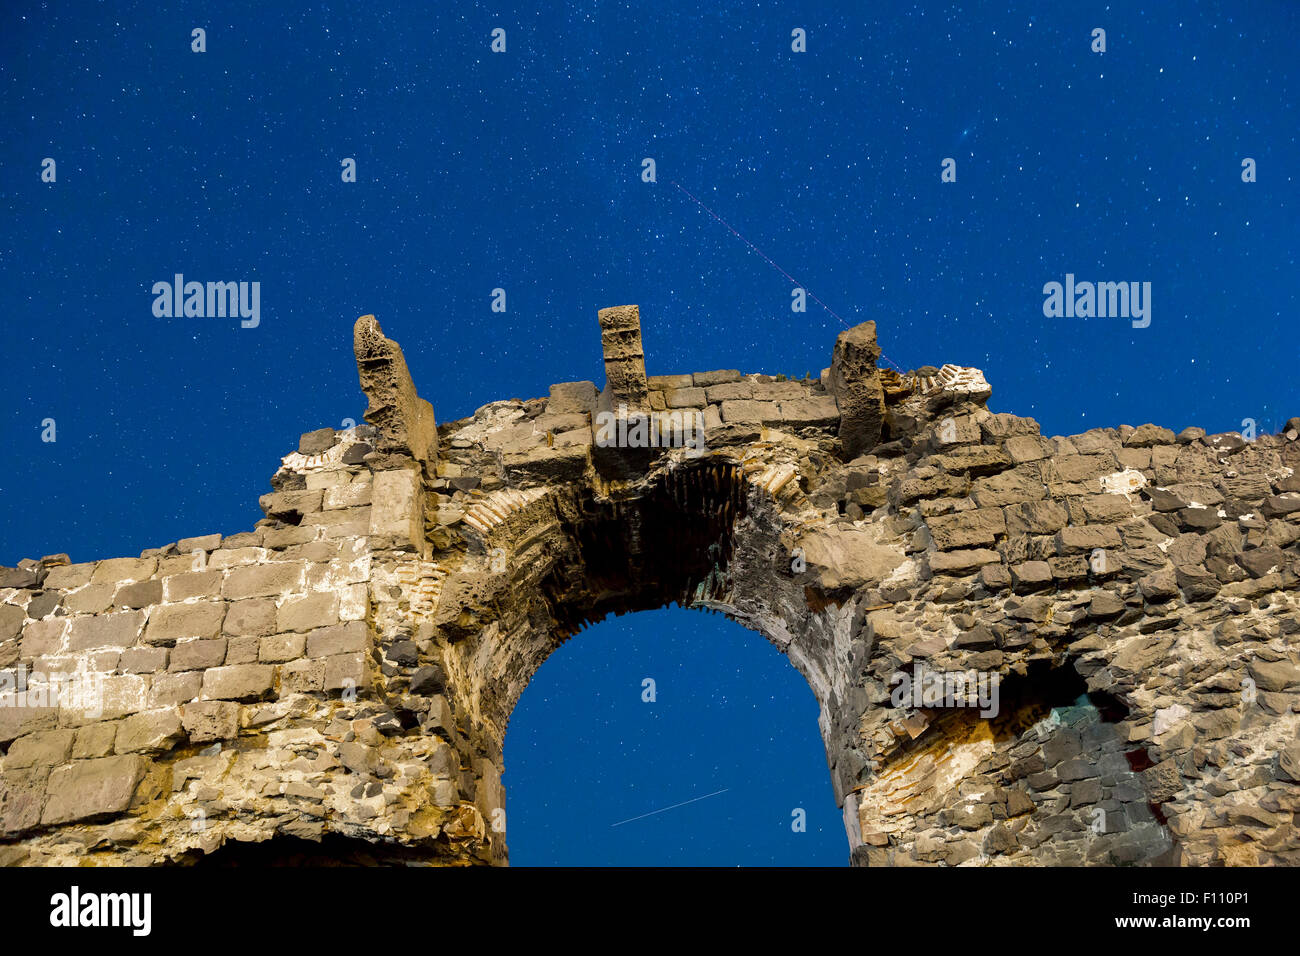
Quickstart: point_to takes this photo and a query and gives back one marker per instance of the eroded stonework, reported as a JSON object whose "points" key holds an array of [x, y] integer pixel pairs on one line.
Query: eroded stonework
{"points": [[337, 682]]}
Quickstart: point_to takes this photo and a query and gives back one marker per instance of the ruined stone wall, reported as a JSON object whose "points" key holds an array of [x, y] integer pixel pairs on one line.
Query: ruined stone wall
{"points": [[344, 673]]}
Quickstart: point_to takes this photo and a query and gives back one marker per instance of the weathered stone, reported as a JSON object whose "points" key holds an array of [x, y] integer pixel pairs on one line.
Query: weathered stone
{"points": [[139, 595], [237, 682], [196, 654], [273, 578], [47, 748], [117, 629], [143, 660], [203, 542], [855, 385], [208, 720], [151, 730], [718, 377], [1273, 675], [620, 340], [279, 648], [69, 576], [21, 794], [169, 623], [961, 562], [404, 421], [966, 528], [573, 398], [761, 413], [123, 569], [197, 584], [1031, 576], [309, 611], [252, 617], [337, 639], [1144, 436], [90, 788]]}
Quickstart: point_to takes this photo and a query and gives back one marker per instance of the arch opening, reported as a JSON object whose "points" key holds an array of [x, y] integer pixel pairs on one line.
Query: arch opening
{"points": [[716, 761]]}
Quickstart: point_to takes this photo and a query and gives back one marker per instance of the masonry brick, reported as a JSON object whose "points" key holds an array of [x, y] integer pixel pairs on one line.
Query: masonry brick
{"points": [[238, 682], [117, 570], [118, 629], [169, 623], [198, 654], [338, 639], [195, 584], [90, 788], [273, 578]]}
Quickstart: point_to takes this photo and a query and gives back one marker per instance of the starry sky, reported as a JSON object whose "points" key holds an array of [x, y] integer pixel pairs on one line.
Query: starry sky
{"points": [[522, 170]]}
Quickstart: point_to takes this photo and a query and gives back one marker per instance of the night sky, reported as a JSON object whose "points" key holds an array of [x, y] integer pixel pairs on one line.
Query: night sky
{"points": [[522, 170]]}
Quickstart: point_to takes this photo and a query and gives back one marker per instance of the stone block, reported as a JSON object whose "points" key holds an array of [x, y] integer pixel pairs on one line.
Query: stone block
{"points": [[346, 638], [194, 584], [961, 562], [397, 507], [1074, 540], [143, 660], [91, 788], [94, 740], [191, 654], [243, 649], [307, 612], [203, 542], [279, 648], [45, 637], [69, 576], [317, 442], [302, 677], [91, 599], [232, 558], [167, 688], [169, 623], [47, 748], [254, 617], [21, 794], [208, 720], [116, 629], [273, 578], [760, 413], [717, 377], [818, 411], [572, 398], [352, 495], [734, 390], [346, 672], [139, 595], [238, 682], [685, 398], [151, 731], [118, 570], [965, 529]]}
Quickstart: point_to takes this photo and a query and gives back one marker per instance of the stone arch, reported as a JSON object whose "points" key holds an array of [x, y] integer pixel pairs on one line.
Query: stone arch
{"points": [[347, 668]]}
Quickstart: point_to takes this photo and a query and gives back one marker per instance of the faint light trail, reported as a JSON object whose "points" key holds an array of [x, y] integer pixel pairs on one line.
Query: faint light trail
{"points": [[673, 807], [799, 285]]}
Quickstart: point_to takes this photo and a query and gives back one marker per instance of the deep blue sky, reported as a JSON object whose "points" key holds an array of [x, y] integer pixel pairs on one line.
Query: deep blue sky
{"points": [[522, 170]]}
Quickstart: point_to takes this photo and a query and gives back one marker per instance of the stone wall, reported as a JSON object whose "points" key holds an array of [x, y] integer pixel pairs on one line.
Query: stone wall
{"points": [[344, 673]]}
